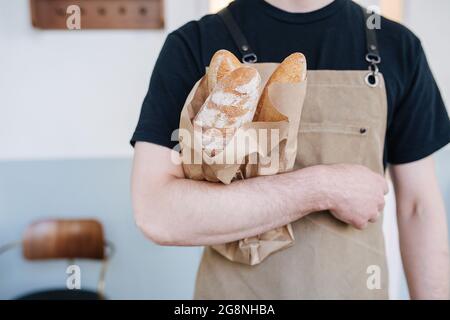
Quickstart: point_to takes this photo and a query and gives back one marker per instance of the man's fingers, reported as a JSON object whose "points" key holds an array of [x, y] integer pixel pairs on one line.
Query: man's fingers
{"points": [[361, 225]]}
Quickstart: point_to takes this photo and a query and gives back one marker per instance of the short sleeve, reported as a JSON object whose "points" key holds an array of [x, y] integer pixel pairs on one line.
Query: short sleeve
{"points": [[174, 75], [420, 123]]}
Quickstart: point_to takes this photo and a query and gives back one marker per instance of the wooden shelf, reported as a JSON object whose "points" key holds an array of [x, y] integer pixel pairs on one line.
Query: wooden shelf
{"points": [[99, 14]]}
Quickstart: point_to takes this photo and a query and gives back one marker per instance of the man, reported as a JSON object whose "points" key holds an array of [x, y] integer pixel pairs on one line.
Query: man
{"points": [[325, 261]]}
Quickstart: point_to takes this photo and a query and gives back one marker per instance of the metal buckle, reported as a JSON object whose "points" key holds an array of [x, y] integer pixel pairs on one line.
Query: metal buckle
{"points": [[372, 79], [249, 58], [373, 58]]}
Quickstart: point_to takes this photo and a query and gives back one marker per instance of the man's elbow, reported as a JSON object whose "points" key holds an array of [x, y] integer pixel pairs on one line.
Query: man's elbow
{"points": [[151, 228], [156, 228]]}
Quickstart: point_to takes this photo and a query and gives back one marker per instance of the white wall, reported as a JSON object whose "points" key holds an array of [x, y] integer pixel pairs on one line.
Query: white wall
{"points": [[430, 21], [71, 94]]}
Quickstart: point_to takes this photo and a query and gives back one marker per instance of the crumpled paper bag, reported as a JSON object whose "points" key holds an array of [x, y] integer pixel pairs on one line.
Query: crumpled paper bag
{"points": [[256, 149]]}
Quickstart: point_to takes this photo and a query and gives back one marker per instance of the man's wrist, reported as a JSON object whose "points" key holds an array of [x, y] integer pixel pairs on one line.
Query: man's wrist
{"points": [[324, 187], [315, 181]]}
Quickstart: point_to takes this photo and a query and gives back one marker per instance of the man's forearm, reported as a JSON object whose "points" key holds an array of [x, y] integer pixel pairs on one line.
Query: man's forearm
{"points": [[188, 212], [422, 229], [424, 247], [172, 210]]}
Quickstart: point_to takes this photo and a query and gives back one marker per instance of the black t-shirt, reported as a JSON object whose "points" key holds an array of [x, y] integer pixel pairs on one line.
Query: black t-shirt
{"points": [[331, 38]]}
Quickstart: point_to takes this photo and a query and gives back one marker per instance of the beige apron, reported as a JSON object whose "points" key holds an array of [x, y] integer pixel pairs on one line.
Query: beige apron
{"points": [[343, 121]]}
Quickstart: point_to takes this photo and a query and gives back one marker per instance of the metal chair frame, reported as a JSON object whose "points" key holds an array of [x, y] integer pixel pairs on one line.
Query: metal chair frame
{"points": [[105, 262]]}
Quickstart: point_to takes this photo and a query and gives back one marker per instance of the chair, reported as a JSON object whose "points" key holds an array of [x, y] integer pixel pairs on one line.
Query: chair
{"points": [[65, 239]]}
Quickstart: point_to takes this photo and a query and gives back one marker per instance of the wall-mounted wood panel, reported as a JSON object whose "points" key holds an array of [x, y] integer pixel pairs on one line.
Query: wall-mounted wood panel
{"points": [[99, 14]]}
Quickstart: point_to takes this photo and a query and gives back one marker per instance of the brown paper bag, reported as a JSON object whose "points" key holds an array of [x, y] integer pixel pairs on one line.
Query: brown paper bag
{"points": [[257, 148]]}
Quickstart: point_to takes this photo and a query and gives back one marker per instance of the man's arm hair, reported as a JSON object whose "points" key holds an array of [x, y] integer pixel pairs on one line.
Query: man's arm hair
{"points": [[422, 229], [171, 210]]}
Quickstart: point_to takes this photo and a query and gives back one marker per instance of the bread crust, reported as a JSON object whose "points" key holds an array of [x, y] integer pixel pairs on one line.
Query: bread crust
{"points": [[291, 70], [222, 63], [231, 104]]}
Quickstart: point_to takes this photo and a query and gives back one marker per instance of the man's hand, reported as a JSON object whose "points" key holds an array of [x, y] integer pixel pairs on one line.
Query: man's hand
{"points": [[356, 194]]}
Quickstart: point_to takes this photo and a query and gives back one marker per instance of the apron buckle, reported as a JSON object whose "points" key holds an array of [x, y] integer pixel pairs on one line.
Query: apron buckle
{"points": [[371, 78], [250, 58]]}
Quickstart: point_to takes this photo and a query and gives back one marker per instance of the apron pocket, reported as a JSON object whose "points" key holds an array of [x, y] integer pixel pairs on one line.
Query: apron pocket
{"points": [[331, 143]]}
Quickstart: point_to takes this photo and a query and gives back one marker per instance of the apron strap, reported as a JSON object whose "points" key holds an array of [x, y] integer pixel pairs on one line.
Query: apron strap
{"points": [[248, 56], [371, 38], [373, 54]]}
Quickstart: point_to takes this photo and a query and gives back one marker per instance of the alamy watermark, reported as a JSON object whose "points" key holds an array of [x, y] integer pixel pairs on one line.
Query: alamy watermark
{"points": [[230, 146], [73, 20], [374, 279], [73, 281], [374, 19]]}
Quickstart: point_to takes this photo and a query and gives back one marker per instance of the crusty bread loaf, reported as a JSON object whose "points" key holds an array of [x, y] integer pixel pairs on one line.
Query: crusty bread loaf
{"points": [[231, 104], [291, 70], [222, 63]]}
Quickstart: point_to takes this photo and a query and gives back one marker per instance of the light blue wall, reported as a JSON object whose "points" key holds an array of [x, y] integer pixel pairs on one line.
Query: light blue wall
{"points": [[87, 188], [443, 172], [98, 188]]}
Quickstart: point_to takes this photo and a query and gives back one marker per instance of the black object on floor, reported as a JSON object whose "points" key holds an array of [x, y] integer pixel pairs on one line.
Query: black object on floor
{"points": [[61, 294]]}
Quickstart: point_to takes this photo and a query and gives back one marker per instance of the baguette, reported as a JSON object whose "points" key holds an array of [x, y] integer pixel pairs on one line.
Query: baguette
{"points": [[222, 63], [291, 70], [231, 104]]}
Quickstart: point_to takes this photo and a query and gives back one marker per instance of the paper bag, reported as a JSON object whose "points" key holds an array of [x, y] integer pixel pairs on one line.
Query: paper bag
{"points": [[257, 148]]}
